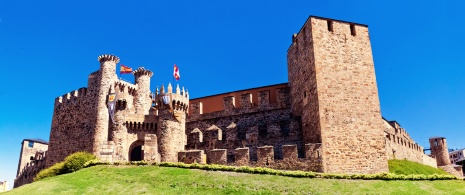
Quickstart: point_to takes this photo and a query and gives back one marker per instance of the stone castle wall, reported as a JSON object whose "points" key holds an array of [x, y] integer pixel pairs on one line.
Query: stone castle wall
{"points": [[266, 124], [72, 124], [29, 151], [290, 160], [30, 170], [428, 160], [399, 145]]}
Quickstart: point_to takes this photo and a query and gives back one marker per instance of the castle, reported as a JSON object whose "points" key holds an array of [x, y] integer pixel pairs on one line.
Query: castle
{"points": [[326, 118]]}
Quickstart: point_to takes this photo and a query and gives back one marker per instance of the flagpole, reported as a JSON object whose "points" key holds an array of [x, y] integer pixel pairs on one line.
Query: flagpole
{"points": [[119, 72]]}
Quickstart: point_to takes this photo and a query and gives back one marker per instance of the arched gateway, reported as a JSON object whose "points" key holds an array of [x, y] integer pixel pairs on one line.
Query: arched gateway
{"points": [[135, 151]]}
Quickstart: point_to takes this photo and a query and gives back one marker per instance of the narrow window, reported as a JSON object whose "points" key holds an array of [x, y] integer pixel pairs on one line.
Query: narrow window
{"points": [[305, 94], [30, 144], [352, 30], [330, 26]]}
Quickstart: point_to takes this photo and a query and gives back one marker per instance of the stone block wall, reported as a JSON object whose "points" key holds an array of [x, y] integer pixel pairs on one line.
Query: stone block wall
{"points": [[251, 127], [229, 103], [217, 156], [29, 152], [428, 160], [400, 148], [241, 156], [27, 174], [192, 156], [266, 157], [72, 124]]}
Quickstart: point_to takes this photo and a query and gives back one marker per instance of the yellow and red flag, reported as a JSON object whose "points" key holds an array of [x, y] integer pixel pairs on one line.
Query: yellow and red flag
{"points": [[125, 70], [176, 74]]}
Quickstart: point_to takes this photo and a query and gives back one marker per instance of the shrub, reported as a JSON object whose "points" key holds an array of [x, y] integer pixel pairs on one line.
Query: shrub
{"points": [[76, 161], [96, 162], [54, 170]]}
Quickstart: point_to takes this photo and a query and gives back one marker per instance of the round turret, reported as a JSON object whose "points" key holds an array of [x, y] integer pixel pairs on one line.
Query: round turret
{"points": [[142, 99], [104, 83], [439, 150], [172, 110]]}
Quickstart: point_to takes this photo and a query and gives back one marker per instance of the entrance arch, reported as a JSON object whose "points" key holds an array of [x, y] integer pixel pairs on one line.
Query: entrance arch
{"points": [[135, 152]]}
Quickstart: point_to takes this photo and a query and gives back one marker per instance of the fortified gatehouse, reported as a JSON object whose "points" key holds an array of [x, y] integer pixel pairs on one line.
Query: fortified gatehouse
{"points": [[326, 118]]}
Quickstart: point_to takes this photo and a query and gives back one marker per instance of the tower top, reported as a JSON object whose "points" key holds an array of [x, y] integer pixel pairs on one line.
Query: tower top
{"points": [[142, 71], [177, 100], [108, 57]]}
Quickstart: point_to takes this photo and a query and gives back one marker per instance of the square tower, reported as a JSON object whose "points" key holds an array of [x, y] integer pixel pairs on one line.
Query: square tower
{"points": [[333, 89]]}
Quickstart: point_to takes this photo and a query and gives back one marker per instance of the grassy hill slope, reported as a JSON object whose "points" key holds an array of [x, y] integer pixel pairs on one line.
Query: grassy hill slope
{"points": [[406, 167], [166, 180]]}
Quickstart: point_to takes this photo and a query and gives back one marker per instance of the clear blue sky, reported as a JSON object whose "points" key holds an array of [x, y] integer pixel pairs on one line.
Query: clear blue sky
{"points": [[48, 48]]}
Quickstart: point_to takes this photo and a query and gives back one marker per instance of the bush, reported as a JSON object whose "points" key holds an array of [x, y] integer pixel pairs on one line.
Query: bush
{"points": [[54, 170], [96, 162], [76, 161]]}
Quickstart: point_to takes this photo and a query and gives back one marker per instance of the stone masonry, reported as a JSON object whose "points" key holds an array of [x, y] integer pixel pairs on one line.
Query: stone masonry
{"points": [[30, 151], [440, 152], [31, 160], [326, 118], [333, 88]]}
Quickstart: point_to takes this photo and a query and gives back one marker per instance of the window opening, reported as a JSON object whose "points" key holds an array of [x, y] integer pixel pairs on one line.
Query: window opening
{"points": [[352, 30], [330, 26]]}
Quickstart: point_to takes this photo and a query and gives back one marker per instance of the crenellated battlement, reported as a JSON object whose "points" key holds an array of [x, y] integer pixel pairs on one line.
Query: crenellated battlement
{"points": [[142, 71], [266, 157], [177, 100], [108, 57], [29, 171], [403, 142], [242, 103], [125, 87], [71, 98]]}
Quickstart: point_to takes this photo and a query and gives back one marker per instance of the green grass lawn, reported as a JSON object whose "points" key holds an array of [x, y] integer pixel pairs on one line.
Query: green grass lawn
{"points": [[406, 167], [167, 180]]}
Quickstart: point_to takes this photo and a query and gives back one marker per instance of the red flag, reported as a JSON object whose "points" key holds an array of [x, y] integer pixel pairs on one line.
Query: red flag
{"points": [[176, 74], [125, 70]]}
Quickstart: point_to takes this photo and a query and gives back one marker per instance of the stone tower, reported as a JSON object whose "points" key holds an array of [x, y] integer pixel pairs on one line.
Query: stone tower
{"points": [[29, 150], [439, 150], [142, 99], [172, 110], [106, 78], [333, 89]]}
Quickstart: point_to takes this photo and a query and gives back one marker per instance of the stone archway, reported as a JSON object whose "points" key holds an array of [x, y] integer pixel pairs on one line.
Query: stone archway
{"points": [[135, 151]]}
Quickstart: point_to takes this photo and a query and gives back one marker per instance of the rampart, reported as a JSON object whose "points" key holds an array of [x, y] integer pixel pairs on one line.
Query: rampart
{"points": [[28, 173], [251, 125], [289, 160], [399, 144], [72, 128]]}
